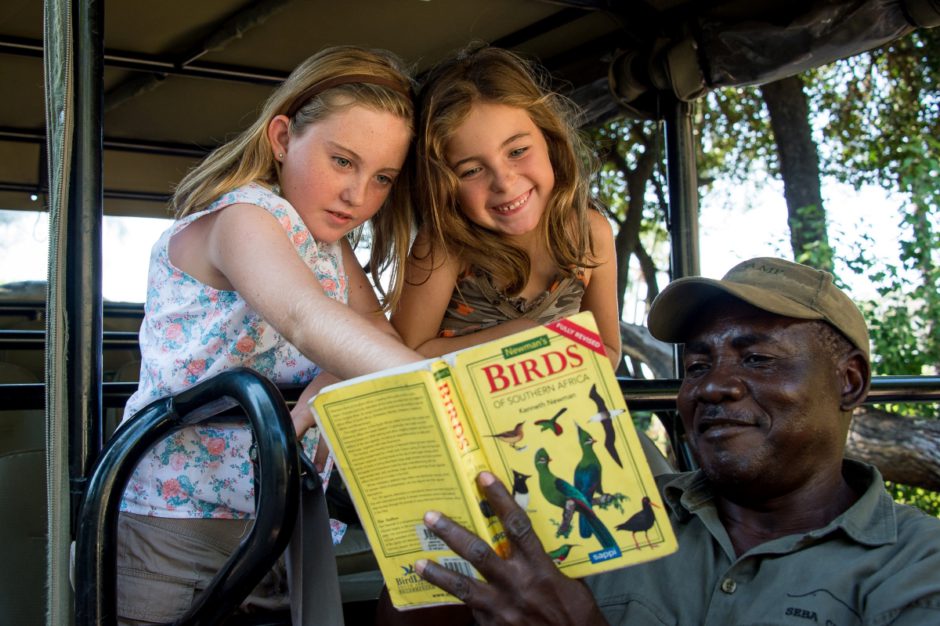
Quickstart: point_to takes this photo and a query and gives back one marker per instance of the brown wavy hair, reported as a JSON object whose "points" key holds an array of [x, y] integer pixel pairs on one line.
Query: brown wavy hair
{"points": [[249, 156], [496, 76]]}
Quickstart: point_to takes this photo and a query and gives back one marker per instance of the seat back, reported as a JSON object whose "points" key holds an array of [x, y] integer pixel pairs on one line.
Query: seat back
{"points": [[23, 513], [127, 372]]}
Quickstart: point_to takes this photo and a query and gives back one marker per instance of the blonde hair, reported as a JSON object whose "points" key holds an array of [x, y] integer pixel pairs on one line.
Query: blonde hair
{"points": [[250, 157], [496, 76]]}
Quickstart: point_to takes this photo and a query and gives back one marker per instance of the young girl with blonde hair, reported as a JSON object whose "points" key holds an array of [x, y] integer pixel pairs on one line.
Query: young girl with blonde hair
{"points": [[509, 236], [257, 271]]}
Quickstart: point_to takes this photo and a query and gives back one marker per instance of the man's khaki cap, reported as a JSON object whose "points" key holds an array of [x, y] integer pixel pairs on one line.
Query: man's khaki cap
{"points": [[773, 285]]}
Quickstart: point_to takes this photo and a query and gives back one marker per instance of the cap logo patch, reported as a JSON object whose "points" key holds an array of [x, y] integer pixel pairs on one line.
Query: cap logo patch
{"points": [[767, 269]]}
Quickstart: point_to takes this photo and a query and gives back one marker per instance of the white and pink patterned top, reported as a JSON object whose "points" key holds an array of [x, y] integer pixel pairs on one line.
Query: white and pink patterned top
{"points": [[190, 332]]}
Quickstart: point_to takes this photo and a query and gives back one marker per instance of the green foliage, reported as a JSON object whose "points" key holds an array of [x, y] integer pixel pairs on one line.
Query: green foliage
{"points": [[735, 141], [894, 93], [924, 499], [876, 120], [882, 108], [619, 145]]}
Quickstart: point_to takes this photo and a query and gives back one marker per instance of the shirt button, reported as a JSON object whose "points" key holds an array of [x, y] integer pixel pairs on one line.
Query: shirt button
{"points": [[728, 585]]}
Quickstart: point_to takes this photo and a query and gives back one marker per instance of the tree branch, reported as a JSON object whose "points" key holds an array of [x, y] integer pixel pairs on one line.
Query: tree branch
{"points": [[906, 450]]}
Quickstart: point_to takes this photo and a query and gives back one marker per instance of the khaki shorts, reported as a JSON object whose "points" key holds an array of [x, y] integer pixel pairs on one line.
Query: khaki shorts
{"points": [[163, 563]]}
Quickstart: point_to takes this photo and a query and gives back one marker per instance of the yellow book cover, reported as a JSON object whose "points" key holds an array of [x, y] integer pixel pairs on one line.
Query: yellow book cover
{"points": [[548, 419]]}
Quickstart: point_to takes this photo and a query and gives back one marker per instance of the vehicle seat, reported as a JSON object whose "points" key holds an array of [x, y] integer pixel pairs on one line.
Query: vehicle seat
{"points": [[23, 516], [128, 372]]}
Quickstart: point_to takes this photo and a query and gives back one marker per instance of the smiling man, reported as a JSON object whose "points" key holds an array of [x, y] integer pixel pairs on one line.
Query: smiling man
{"points": [[777, 527]]}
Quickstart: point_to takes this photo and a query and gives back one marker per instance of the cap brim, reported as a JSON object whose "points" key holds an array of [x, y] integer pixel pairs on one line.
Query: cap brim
{"points": [[682, 302]]}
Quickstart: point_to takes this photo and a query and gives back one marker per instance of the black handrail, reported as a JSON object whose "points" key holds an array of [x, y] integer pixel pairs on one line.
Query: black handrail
{"points": [[660, 394], [278, 495], [641, 395], [36, 309], [36, 339]]}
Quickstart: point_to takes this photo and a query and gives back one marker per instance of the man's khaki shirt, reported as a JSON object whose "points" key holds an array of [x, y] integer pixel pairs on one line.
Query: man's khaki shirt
{"points": [[877, 563]]}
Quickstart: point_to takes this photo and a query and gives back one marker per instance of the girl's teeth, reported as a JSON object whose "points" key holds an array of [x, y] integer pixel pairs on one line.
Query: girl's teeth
{"points": [[515, 205]]}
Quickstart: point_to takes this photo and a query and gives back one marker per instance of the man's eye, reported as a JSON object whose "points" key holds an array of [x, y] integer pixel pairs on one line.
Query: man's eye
{"points": [[696, 367], [757, 359]]}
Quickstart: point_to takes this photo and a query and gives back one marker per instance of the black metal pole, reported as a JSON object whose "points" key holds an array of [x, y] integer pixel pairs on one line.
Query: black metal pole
{"points": [[682, 220], [83, 300], [683, 190]]}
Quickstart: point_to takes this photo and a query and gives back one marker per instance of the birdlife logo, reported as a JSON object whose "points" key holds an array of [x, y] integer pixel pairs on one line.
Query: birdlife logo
{"points": [[605, 555]]}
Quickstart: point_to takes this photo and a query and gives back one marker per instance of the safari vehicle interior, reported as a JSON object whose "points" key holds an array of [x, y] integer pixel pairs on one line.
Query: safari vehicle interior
{"points": [[111, 102]]}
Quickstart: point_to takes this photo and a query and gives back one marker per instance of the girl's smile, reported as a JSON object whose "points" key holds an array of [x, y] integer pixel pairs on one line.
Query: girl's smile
{"points": [[515, 204], [501, 159]]}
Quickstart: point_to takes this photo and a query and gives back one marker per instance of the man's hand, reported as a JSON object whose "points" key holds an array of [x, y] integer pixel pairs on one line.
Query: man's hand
{"points": [[525, 588]]}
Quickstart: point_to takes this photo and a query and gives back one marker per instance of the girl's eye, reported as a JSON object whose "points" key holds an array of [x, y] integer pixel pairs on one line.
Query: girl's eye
{"points": [[384, 180], [468, 173], [342, 161], [518, 152]]}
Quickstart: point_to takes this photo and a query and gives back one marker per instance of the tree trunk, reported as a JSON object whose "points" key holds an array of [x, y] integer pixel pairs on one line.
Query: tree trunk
{"points": [[799, 166], [640, 345], [627, 241], [906, 450]]}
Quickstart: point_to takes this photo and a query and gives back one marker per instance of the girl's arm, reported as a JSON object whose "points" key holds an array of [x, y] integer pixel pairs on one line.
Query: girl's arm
{"points": [[362, 298], [249, 249], [600, 296], [429, 283]]}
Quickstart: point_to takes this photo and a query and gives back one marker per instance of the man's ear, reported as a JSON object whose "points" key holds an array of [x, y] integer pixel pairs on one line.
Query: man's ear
{"points": [[855, 376], [279, 135]]}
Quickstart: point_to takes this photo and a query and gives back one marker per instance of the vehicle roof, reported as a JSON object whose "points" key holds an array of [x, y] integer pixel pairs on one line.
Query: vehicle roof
{"points": [[181, 77]]}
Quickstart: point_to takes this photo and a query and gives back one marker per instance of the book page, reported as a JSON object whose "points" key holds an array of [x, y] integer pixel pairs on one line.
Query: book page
{"points": [[393, 453]]}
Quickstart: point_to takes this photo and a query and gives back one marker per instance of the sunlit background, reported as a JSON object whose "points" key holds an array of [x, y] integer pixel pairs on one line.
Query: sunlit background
{"points": [[736, 223]]}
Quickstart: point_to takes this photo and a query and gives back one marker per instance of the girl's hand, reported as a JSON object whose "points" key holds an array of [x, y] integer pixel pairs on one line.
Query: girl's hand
{"points": [[526, 588], [301, 415]]}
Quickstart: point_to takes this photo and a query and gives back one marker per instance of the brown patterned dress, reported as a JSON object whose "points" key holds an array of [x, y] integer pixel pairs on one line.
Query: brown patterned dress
{"points": [[476, 304]]}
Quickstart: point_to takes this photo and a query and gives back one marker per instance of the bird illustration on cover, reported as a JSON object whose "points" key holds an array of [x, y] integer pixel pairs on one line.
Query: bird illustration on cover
{"points": [[552, 423], [587, 480], [565, 496], [641, 521], [512, 437], [559, 554], [604, 416], [520, 490]]}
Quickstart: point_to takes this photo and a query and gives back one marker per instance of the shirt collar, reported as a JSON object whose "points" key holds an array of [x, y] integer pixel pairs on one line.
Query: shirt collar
{"points": [[869, 521]]}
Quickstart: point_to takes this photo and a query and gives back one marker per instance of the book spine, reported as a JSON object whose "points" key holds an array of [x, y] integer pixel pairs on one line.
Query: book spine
{"points": [[469, 457]]}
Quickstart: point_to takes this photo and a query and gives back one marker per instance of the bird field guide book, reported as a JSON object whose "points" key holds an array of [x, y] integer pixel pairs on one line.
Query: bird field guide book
{"points": [[542, 410]]}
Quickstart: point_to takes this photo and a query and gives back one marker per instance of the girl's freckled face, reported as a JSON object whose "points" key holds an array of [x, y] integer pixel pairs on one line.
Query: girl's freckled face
{"points": [[339, 171]]}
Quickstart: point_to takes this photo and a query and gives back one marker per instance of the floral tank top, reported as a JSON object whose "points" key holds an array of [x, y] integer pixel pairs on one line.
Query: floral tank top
{"points": [[191, 332]]}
